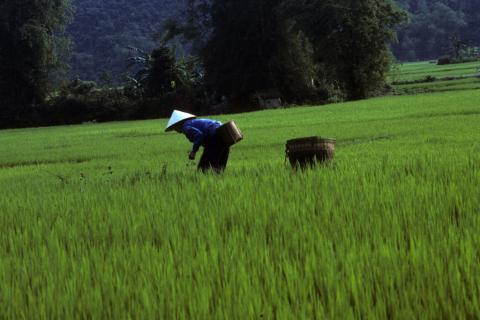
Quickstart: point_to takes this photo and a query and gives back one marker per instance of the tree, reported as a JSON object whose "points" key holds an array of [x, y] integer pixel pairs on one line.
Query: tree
{"points": [[157, 75], [350, 39], [30, 33], [167, 80], [303, 48], [101, 29], [246, 48], [238, 55]]}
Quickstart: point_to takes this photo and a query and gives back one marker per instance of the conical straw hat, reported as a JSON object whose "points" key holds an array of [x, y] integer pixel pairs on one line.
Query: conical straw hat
{"points": [[176, 117]]}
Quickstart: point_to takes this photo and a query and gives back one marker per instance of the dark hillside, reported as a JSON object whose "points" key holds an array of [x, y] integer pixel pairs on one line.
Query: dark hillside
{"points": [[101, 30], [436, 26]]}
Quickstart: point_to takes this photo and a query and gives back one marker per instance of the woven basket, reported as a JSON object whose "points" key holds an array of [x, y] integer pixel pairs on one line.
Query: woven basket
{"points": [[305, 152], [230, 133]]}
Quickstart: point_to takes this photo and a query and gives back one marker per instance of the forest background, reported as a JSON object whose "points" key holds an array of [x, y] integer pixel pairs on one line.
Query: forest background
{"points": [[74, 61], [102, 30]]}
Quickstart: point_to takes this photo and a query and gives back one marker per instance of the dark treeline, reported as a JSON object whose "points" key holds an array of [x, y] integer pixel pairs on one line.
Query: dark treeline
{"points": [[31, 52], [321, 50], [143, 58], [101, 31]]}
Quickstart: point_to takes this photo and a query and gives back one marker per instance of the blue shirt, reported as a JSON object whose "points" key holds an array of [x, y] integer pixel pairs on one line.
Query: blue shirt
{"points": [[198, 131]]}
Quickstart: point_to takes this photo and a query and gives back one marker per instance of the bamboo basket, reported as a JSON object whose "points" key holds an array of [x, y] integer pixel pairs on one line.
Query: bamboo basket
{"points": [[305, 152], [229, 133]]}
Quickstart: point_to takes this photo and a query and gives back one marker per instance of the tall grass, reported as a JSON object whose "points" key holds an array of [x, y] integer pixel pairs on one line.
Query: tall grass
{"points": [[109, 221]]}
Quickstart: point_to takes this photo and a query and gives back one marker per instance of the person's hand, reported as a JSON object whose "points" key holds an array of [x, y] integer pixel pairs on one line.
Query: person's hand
{"points": [[192, 155]]}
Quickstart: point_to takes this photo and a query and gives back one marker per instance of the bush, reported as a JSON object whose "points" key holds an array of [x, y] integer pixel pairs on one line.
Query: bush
{"points": [[80, 87], [448, 60], [444, 60], [97, 105]]}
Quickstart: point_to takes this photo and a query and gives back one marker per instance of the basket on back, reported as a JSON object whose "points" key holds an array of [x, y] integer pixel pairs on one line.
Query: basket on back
{"points": [[230, 133], [309, 151]]}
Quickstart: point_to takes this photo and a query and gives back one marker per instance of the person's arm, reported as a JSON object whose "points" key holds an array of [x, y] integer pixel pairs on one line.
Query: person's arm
{"points": [[196, 136]]}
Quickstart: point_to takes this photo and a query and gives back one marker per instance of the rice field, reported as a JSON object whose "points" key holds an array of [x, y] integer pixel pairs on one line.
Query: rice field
{"points": [[422, 77], [112, 221]]}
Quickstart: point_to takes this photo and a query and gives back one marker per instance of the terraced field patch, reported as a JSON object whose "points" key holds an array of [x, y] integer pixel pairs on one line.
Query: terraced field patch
{"points": [[421, 77]]}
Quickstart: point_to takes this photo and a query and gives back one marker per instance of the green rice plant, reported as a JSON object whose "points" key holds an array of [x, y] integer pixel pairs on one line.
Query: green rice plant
{"points": [[111, 221], [422, 77], [419, 70]]}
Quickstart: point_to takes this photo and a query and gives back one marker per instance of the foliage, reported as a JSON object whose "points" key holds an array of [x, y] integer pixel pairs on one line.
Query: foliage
{"points": [[448, 60], [255, 51], [31, 35], [433, 24], [143, 62], [163, 76], [279, 44], [102, 29], [350, 41], [173, 80], [83, 103], [107, 221]]}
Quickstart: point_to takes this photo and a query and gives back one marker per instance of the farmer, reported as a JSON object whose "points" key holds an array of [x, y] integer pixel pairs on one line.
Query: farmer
{"points": [[201, 132]]}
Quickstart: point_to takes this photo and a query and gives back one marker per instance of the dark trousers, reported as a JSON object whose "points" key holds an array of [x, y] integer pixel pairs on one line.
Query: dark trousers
{"points": [[215, 155]]}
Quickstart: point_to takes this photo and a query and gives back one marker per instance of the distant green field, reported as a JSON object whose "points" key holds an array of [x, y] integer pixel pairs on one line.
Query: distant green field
{"points": [[111, 221], [463, 76]]}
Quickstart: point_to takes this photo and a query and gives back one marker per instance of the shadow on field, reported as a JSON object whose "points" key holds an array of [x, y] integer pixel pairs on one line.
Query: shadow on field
{"points": [[137, 134], [10, 165], [441, 115]]}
